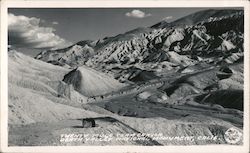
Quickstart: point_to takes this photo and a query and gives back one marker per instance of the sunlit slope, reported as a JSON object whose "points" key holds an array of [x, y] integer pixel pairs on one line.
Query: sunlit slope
{"points": [[90, 82], [33, 94]]}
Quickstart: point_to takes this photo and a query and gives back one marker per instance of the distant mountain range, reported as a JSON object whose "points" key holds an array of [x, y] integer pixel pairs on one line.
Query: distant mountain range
{"points": [[211, 35]]}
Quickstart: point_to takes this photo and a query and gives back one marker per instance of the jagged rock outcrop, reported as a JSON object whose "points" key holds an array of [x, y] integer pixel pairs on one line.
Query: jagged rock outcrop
{"points": [[74, 55]]}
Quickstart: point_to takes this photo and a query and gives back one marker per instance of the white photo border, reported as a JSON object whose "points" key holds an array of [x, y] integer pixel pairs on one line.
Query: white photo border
{"points": [[5, 4]]}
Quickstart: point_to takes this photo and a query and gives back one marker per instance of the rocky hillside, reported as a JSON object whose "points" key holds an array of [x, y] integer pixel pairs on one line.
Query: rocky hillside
{"points": [[211, 36], [37, 93]]}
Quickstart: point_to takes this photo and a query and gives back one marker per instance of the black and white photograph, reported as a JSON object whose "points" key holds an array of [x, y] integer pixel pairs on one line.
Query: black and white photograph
{"points": [[126, 76]]}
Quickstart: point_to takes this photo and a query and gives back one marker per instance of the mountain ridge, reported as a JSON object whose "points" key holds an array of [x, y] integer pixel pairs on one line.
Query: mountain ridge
{"points": [[212, 34]]}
